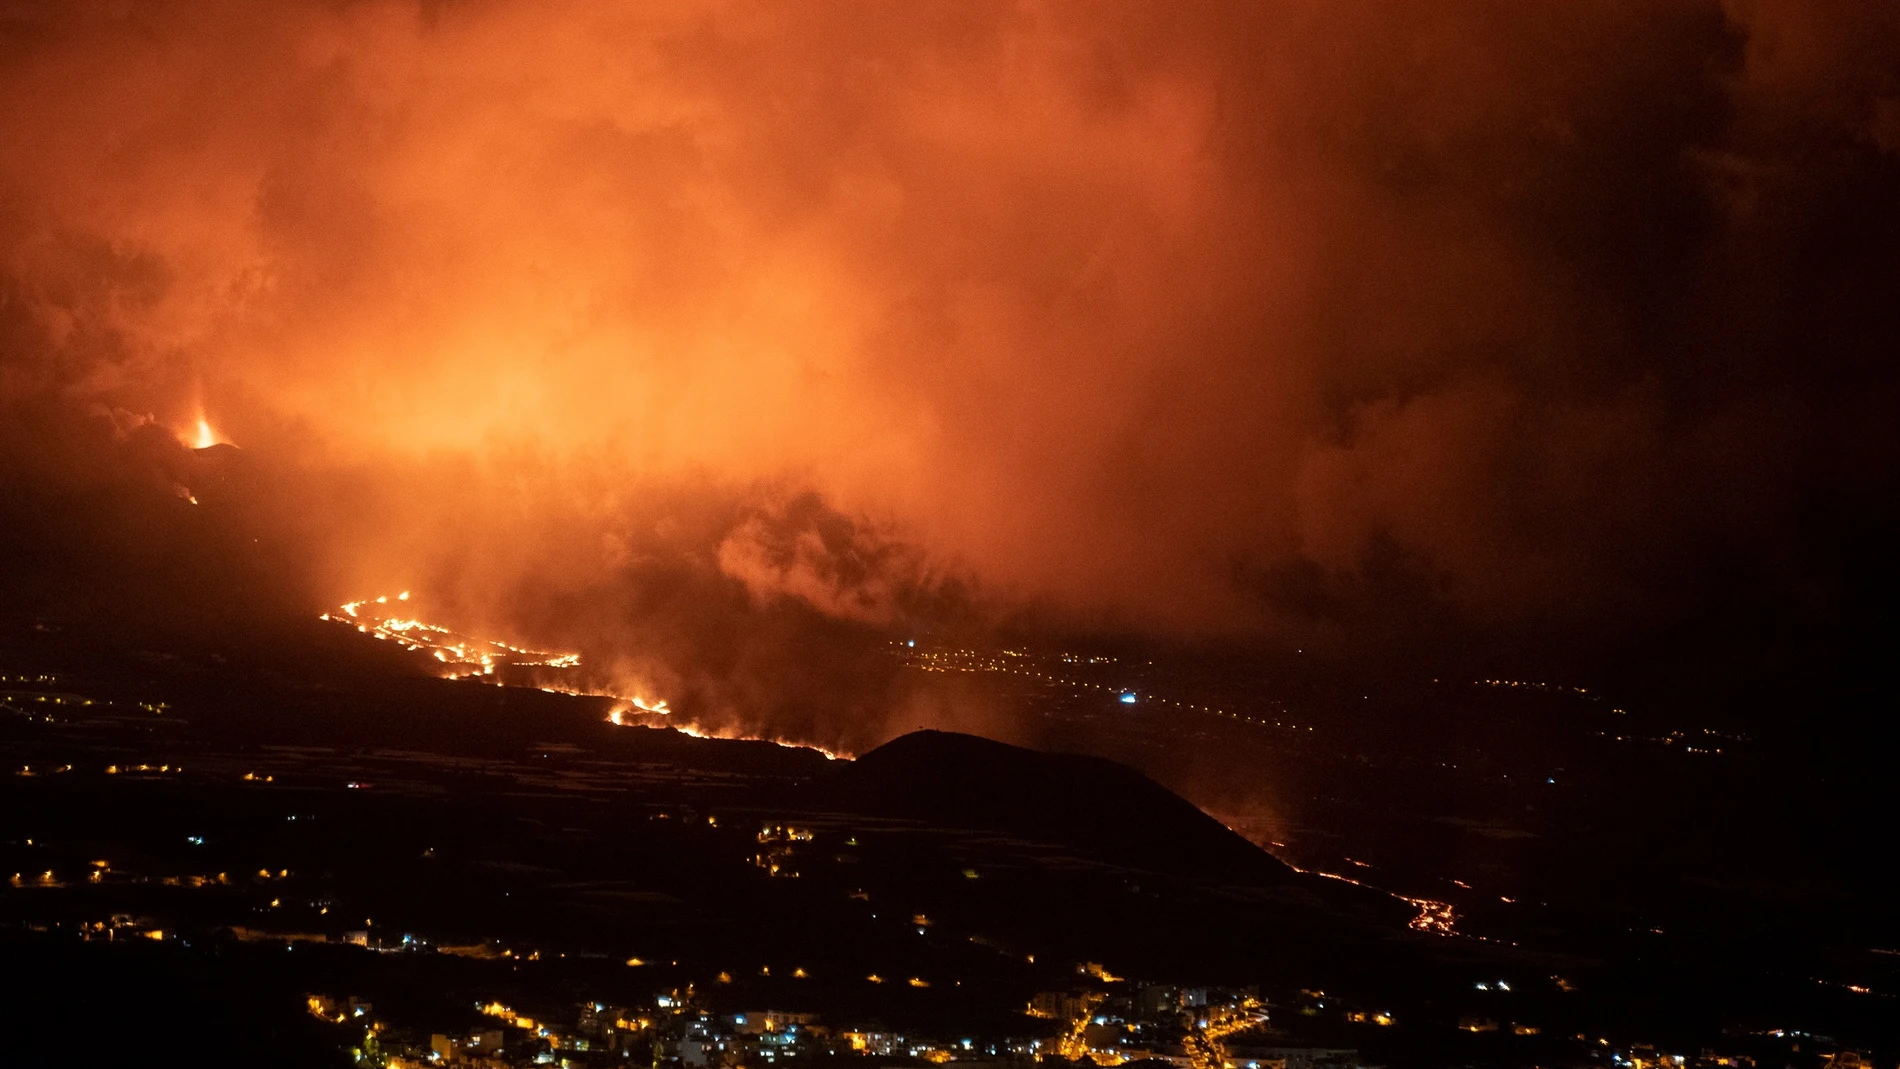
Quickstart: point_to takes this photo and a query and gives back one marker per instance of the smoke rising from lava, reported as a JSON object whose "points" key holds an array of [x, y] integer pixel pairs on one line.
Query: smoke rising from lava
{"points": [[691, 334]]}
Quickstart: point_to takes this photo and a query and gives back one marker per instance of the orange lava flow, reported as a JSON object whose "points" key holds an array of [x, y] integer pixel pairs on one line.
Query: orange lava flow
{"points": [[469, 658]]}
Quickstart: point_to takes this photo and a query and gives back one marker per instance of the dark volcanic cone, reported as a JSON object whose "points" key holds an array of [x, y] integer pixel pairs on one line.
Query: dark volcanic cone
{"points": [[1095, 806]]}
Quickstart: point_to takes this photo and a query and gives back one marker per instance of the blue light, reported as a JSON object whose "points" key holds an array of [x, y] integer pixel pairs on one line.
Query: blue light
{"points": [[1128, 699]]}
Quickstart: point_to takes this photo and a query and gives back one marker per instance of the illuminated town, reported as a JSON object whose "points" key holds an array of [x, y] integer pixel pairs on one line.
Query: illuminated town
{"points": [[900, 938]]}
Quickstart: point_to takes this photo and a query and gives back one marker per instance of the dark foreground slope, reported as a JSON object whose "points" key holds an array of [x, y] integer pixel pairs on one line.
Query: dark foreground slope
{"points": [[261, 825]]}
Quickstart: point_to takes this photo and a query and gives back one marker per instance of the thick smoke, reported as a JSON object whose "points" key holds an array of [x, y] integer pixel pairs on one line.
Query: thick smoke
{"points": [[695, 334]]}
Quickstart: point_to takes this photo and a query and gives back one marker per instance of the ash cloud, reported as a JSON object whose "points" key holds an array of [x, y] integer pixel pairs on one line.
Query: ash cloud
{"points": [[711, 336]]}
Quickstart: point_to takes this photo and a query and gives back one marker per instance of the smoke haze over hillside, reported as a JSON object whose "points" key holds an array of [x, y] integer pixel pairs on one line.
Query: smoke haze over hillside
{"points": [[710, 338]]}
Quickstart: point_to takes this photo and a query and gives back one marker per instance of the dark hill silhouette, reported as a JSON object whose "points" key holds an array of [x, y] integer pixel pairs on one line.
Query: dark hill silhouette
{"points": [[1097, 807]]}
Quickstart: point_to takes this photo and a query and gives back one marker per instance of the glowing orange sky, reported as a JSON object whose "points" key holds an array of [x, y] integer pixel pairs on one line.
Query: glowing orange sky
{"points": [[1155, 317]]}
